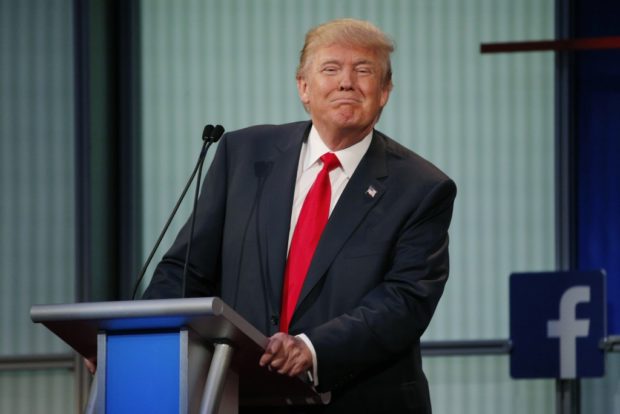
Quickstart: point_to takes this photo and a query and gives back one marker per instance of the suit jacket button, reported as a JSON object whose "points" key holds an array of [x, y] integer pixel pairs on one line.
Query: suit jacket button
{"points": [[274, 320]]}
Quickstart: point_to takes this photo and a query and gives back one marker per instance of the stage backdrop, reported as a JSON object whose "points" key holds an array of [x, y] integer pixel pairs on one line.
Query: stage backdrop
{"points": [[598, 137], [486, 120], [37, 197]]}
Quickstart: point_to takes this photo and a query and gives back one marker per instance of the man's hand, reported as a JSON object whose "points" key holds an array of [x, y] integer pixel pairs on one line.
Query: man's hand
{"points": [[91, 365], [287, 355]]}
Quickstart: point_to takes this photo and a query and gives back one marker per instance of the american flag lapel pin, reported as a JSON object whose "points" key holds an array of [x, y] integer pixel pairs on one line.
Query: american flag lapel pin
{"points": [[372, 192]]}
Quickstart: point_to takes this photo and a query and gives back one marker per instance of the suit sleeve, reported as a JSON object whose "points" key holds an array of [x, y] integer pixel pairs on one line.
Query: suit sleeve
{"points": [[392, 316], [204, 268]]}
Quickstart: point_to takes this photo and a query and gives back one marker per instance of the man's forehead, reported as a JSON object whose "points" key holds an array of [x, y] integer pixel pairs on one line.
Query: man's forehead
{"points": [[340, 53]]}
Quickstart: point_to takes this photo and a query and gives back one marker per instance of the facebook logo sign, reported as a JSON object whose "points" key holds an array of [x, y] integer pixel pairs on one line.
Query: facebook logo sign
{"points": [[556, 323]]}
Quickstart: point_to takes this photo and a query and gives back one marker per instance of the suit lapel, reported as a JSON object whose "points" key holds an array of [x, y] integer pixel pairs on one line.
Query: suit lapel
{"points": [[274, 220], [360, 195]]}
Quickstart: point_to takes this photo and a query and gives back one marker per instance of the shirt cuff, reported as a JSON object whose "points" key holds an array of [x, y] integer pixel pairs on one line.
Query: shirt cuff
{"points": [[314, 376]]}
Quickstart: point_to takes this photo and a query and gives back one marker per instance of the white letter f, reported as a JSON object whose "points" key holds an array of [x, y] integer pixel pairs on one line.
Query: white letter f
{"points": [[568, 329]]}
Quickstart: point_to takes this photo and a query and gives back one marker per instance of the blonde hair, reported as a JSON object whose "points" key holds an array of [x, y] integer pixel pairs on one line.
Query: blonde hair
{"points": [[348, 32]]}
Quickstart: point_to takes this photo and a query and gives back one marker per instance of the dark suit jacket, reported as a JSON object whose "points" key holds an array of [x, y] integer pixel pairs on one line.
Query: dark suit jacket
{"points": [[376, 276]]}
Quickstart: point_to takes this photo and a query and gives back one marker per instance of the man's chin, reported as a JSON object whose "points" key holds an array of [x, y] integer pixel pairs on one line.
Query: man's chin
{"points": [[345, 116]]}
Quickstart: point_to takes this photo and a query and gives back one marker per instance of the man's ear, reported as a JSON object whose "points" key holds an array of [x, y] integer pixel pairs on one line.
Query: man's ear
{"points": [[302, 89], [385, 95]]}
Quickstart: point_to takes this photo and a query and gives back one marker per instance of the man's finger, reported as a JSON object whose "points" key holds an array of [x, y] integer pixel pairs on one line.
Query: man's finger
{"points": [[90, 365], [273, 348]]}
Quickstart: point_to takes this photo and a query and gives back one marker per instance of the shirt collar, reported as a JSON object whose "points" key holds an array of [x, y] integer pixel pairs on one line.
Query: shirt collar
{"points": [[349, 157]]}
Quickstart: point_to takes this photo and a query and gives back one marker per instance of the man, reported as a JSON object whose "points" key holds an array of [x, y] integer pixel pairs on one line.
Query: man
{"points": [[345, 298]]}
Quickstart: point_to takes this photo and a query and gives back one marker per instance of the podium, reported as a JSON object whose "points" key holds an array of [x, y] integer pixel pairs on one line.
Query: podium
{"points": [[193, 355]]}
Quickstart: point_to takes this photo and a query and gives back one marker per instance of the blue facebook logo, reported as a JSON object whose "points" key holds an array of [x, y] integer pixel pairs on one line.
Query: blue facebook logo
{"points": [[556, 323]]}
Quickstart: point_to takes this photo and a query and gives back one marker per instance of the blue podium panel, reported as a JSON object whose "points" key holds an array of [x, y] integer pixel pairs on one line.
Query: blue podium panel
{"points": [[146, 369], [557, 321]]}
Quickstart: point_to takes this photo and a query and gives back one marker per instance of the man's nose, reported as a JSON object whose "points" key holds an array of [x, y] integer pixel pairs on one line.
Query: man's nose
{"points": [[347, 80]]}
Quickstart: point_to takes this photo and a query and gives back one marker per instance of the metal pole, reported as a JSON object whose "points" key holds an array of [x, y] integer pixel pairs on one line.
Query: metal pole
{"points": [[567, 391], [567, 396], [216, 378], [92, 397]]}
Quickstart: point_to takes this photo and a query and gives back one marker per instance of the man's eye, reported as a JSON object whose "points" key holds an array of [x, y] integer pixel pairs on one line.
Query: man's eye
{"points": [[330, 69], [364, 71]]}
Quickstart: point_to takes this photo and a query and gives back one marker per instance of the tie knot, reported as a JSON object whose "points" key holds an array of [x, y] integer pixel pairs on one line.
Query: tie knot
{"points": [[330, 161]]}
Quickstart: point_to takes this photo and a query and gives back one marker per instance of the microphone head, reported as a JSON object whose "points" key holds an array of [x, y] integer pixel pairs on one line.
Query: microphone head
{"points": [[217, 133], [207, 132]]}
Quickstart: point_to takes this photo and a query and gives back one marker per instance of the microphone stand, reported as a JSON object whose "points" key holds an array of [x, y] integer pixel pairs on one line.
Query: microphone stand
{"points": [[215, 135], [208, 138]]}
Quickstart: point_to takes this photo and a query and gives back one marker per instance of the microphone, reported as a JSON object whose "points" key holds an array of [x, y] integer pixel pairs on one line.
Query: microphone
{"points": [[207, 131], [213, 135], [217, 132], [208, 137]]}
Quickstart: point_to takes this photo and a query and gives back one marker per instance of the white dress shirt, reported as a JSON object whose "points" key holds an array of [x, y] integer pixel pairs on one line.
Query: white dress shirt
{"points": [[309, 166]]}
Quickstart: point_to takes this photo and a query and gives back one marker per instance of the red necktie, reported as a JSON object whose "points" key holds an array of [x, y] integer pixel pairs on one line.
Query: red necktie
{"points": [[312, 219]]}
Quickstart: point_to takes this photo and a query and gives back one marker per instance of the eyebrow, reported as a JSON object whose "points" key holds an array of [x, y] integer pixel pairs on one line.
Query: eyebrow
{"points": [[338, 62]]}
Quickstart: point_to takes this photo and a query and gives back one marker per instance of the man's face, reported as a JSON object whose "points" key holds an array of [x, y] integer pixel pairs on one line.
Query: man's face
{"points": [[342, 88]]}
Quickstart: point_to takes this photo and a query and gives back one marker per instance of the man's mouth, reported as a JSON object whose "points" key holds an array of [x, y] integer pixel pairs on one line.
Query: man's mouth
{"points": [[341, 101]]}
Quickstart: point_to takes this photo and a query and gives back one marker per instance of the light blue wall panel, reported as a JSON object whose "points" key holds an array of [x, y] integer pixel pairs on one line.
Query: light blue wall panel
{"points": [[602, 395], [482, 384], [36, 168], [37, 246], [37, 392]]}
